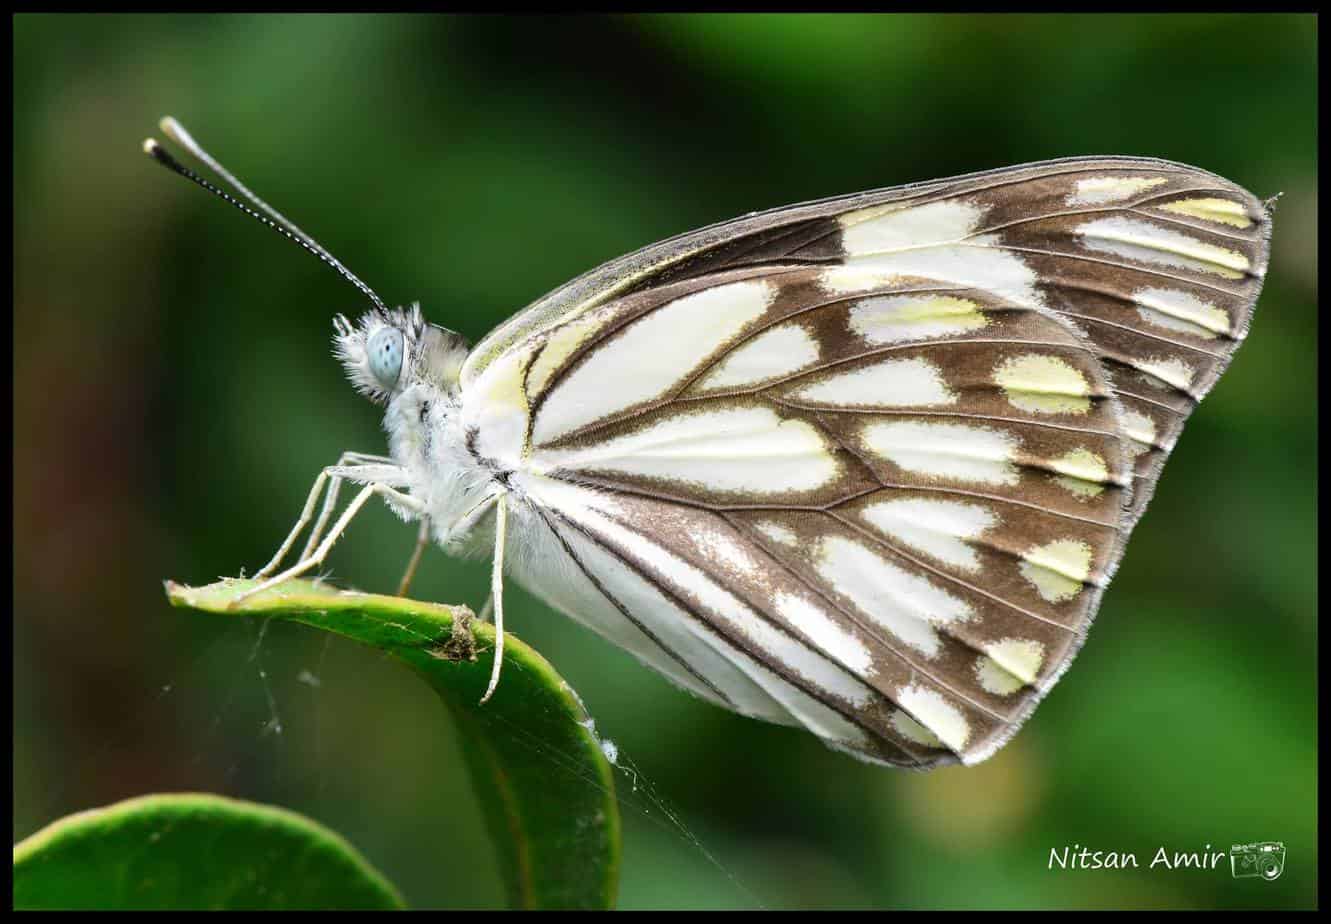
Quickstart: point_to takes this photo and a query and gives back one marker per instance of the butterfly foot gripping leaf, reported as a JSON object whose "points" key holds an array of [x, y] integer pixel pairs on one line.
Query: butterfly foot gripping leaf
{"points": [[864, 465]]}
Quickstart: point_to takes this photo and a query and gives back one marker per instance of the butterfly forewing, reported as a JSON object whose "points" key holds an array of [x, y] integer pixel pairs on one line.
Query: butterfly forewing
{"points": [[1156, 264], [866, 465]]}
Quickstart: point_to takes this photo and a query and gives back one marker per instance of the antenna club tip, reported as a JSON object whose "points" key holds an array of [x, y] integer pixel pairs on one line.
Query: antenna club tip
{"points": [[150, 146], [175, 131]]}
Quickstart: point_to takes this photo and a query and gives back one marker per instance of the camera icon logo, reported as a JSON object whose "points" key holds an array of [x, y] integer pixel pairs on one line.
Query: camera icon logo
{"points": [[1263, 858]]}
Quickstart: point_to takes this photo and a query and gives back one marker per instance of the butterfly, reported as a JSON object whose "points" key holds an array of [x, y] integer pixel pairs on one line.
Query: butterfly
{"points": [[862, 466]]}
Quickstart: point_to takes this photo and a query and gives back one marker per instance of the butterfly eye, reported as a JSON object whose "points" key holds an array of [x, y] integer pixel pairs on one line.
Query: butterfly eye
{"points": [[385, 355]]}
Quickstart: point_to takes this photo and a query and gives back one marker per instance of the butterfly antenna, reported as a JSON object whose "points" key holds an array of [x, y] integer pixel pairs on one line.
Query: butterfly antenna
{"points": [[261, 211]]}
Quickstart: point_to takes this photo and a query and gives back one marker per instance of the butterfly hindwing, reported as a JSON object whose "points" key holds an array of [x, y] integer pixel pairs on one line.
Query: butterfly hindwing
{"points": [[866, 465]]}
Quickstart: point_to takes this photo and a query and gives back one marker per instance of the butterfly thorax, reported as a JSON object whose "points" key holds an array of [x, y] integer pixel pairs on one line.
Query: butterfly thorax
{"points": [[426, 438]]}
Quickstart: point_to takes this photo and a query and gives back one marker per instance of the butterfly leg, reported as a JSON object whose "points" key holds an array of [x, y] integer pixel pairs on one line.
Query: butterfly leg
{"points": [[422, 538], [307, 562], [347, 458], [497, 591], [296, 530]]}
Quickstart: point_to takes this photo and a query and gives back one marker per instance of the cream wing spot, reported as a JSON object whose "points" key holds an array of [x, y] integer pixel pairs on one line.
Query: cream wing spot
{"points": [[834, 641], [891, 227], [891, 383], [1059, 569], [725, 551], [1023, 658], [1147, 243], [777, 533], [847, 278], [1181, 311], [1043, 384], [651, 355], [1221, 211], [981, 262], [778, 352], [1170, 370], [995, 678], [1082, 472], [903, 318], [937, 714], [907, 605], [751, 449], [945, 450], [937, 528], [912, 730], [1103, 190], [1140, 429]]}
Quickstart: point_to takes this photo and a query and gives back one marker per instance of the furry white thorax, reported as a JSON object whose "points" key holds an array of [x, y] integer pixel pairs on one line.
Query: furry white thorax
{"points": [[426, 438]]}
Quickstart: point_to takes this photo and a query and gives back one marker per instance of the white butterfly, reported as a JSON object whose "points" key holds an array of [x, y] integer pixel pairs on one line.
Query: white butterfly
{"points": [[862, 465]]}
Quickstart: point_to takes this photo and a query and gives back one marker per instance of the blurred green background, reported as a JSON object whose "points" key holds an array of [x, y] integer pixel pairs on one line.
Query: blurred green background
{"points": [[174, 397]]}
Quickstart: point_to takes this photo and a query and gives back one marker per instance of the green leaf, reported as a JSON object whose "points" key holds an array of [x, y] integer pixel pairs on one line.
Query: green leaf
{"points": [[545, 786], [193, 851]]}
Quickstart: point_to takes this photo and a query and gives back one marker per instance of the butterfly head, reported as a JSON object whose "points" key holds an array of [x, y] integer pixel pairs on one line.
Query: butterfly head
{"points": [[386, 352]]}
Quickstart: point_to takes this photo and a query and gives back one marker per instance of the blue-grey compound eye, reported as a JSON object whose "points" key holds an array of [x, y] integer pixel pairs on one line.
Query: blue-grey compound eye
{"points": [[385, 355]]}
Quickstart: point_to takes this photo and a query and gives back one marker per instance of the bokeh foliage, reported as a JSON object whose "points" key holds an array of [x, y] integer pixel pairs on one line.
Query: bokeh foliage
{"points": [[174, 397]]}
